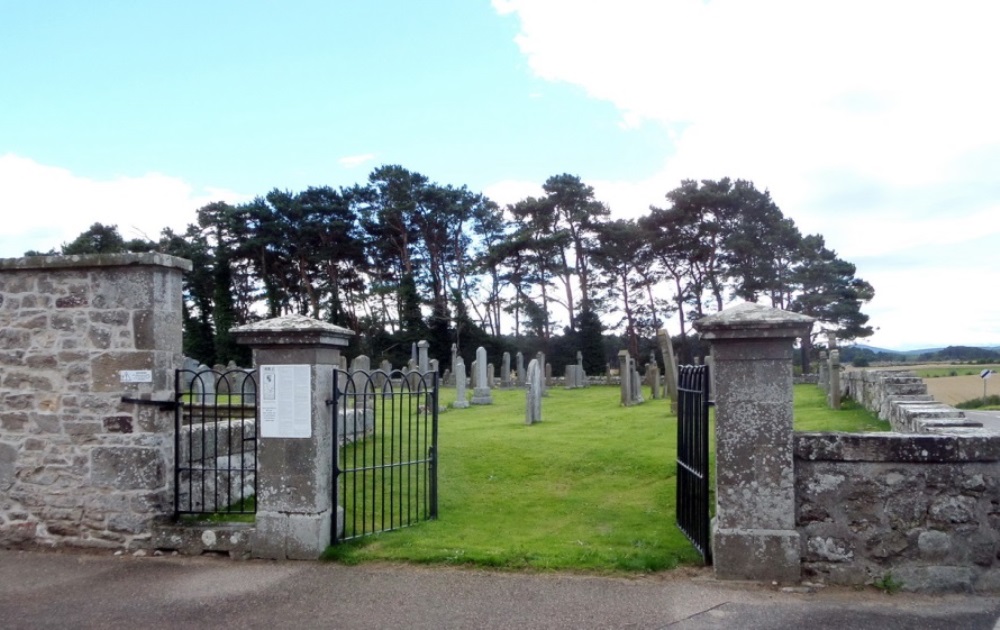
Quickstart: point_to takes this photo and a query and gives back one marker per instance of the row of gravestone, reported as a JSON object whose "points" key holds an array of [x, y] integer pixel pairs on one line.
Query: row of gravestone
{"points": [[204, 384]]}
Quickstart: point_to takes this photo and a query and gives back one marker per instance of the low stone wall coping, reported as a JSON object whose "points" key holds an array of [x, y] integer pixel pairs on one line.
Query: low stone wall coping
{"points": [[94, 260], [948, 445]]}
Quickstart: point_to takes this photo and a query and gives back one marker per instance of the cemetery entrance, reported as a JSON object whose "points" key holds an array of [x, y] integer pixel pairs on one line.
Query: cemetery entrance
{"points": [[385, 450], [693, 483]]}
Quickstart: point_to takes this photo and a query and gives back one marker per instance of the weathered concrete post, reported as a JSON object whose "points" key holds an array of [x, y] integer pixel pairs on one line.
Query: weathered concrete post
{"points": [[295, 473], [754, 535]]}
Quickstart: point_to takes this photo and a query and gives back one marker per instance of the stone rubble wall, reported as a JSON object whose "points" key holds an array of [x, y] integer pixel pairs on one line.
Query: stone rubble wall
{"points": [[920, 503], [78, 466], [924, 509]]}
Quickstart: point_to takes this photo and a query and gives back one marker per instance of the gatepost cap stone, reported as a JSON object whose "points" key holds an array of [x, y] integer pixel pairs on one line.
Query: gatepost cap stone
{"points": [[753, 320], [287, 328]]}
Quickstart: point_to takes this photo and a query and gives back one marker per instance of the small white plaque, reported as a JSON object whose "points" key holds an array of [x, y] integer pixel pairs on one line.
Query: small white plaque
{"points": [[286, 401], [136, 376]]}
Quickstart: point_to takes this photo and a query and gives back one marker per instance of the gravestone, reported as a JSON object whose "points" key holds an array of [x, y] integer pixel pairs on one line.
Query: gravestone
{"points": [[460, 400], [474, 376], [505, 371], [381, 377], [361, 366], [203, 385], [654, 378], [533, 394], [570, 378], [625, 372], [581, 373], [422, 361], [540, 357], [490, 375], [834, 396], [434, 366], [481, 394], [636, 383], [669, 367], [342, 363], [824, 371], [454, 357], [521, 379], [413, 353]]}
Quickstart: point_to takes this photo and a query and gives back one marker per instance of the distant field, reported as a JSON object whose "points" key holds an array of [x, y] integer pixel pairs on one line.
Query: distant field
{"points": [[953, 384], [952, 390]]}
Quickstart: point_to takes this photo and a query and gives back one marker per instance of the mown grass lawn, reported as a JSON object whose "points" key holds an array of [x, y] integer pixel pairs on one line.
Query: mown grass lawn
{"points": [[590, 488]]}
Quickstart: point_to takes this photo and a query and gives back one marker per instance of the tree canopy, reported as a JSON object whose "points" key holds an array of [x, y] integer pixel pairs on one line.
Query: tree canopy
{"points": [[400, 258]]}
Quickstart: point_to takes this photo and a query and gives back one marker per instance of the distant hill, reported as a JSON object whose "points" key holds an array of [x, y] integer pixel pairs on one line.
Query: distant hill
{"points": [[861, 355]]}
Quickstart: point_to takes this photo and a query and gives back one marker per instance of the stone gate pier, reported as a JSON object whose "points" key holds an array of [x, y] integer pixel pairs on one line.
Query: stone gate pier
{"points": [[755, 536], [88, 347]]}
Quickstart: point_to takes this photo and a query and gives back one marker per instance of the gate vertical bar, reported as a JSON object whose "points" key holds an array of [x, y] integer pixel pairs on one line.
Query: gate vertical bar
{"points": [[433, 451], [178, 421]]}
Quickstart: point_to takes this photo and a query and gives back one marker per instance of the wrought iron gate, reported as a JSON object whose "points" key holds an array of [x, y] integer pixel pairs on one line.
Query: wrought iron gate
{"points": [[692, 457], [385, 451], [215, 442]]}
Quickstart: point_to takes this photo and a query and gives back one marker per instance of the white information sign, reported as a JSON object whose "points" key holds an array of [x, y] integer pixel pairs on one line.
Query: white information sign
{"points": [[285, 401], [136, 376]]}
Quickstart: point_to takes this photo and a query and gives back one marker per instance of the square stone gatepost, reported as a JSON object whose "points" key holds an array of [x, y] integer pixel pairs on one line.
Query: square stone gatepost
{"points": [[754, 535], [295, 508]]}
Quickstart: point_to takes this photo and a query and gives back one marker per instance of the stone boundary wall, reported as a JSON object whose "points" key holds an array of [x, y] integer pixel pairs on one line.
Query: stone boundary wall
{"points": [[921, 503], [78, 466], [924, 509], [901, 398]]}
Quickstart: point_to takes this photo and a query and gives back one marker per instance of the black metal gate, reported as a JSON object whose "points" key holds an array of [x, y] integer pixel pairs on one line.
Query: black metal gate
{"points": [[385, 451], [692, 457], [215, 442]]}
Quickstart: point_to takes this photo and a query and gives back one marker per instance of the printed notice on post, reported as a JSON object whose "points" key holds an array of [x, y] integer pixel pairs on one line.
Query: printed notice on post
{"points": [[285, 401]]}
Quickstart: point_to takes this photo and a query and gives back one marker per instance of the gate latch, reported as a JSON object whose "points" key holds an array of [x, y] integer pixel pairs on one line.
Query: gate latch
{"points": [[166, 405]]}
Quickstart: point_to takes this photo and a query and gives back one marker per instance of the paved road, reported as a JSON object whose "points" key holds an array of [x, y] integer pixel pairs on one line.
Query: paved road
{"points": [[990, 419], [63, 590]]}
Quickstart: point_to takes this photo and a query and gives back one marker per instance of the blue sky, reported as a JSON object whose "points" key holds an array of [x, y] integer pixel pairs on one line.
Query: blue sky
{"points": [[874, 124]]}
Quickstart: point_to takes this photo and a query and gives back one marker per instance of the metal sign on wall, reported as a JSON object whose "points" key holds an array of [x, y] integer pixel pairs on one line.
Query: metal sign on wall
{"points": [[285, 401]]}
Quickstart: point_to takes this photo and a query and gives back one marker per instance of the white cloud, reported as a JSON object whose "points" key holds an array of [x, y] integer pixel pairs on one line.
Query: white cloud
{"points": [[47, 206], [352, 161], [511, 191], [874, 124]]}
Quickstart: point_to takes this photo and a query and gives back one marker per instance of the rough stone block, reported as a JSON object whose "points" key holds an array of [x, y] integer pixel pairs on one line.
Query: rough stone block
{"points": [[127, 467], [8, 461], [194, 540], [284, 536], [763, 555]]}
